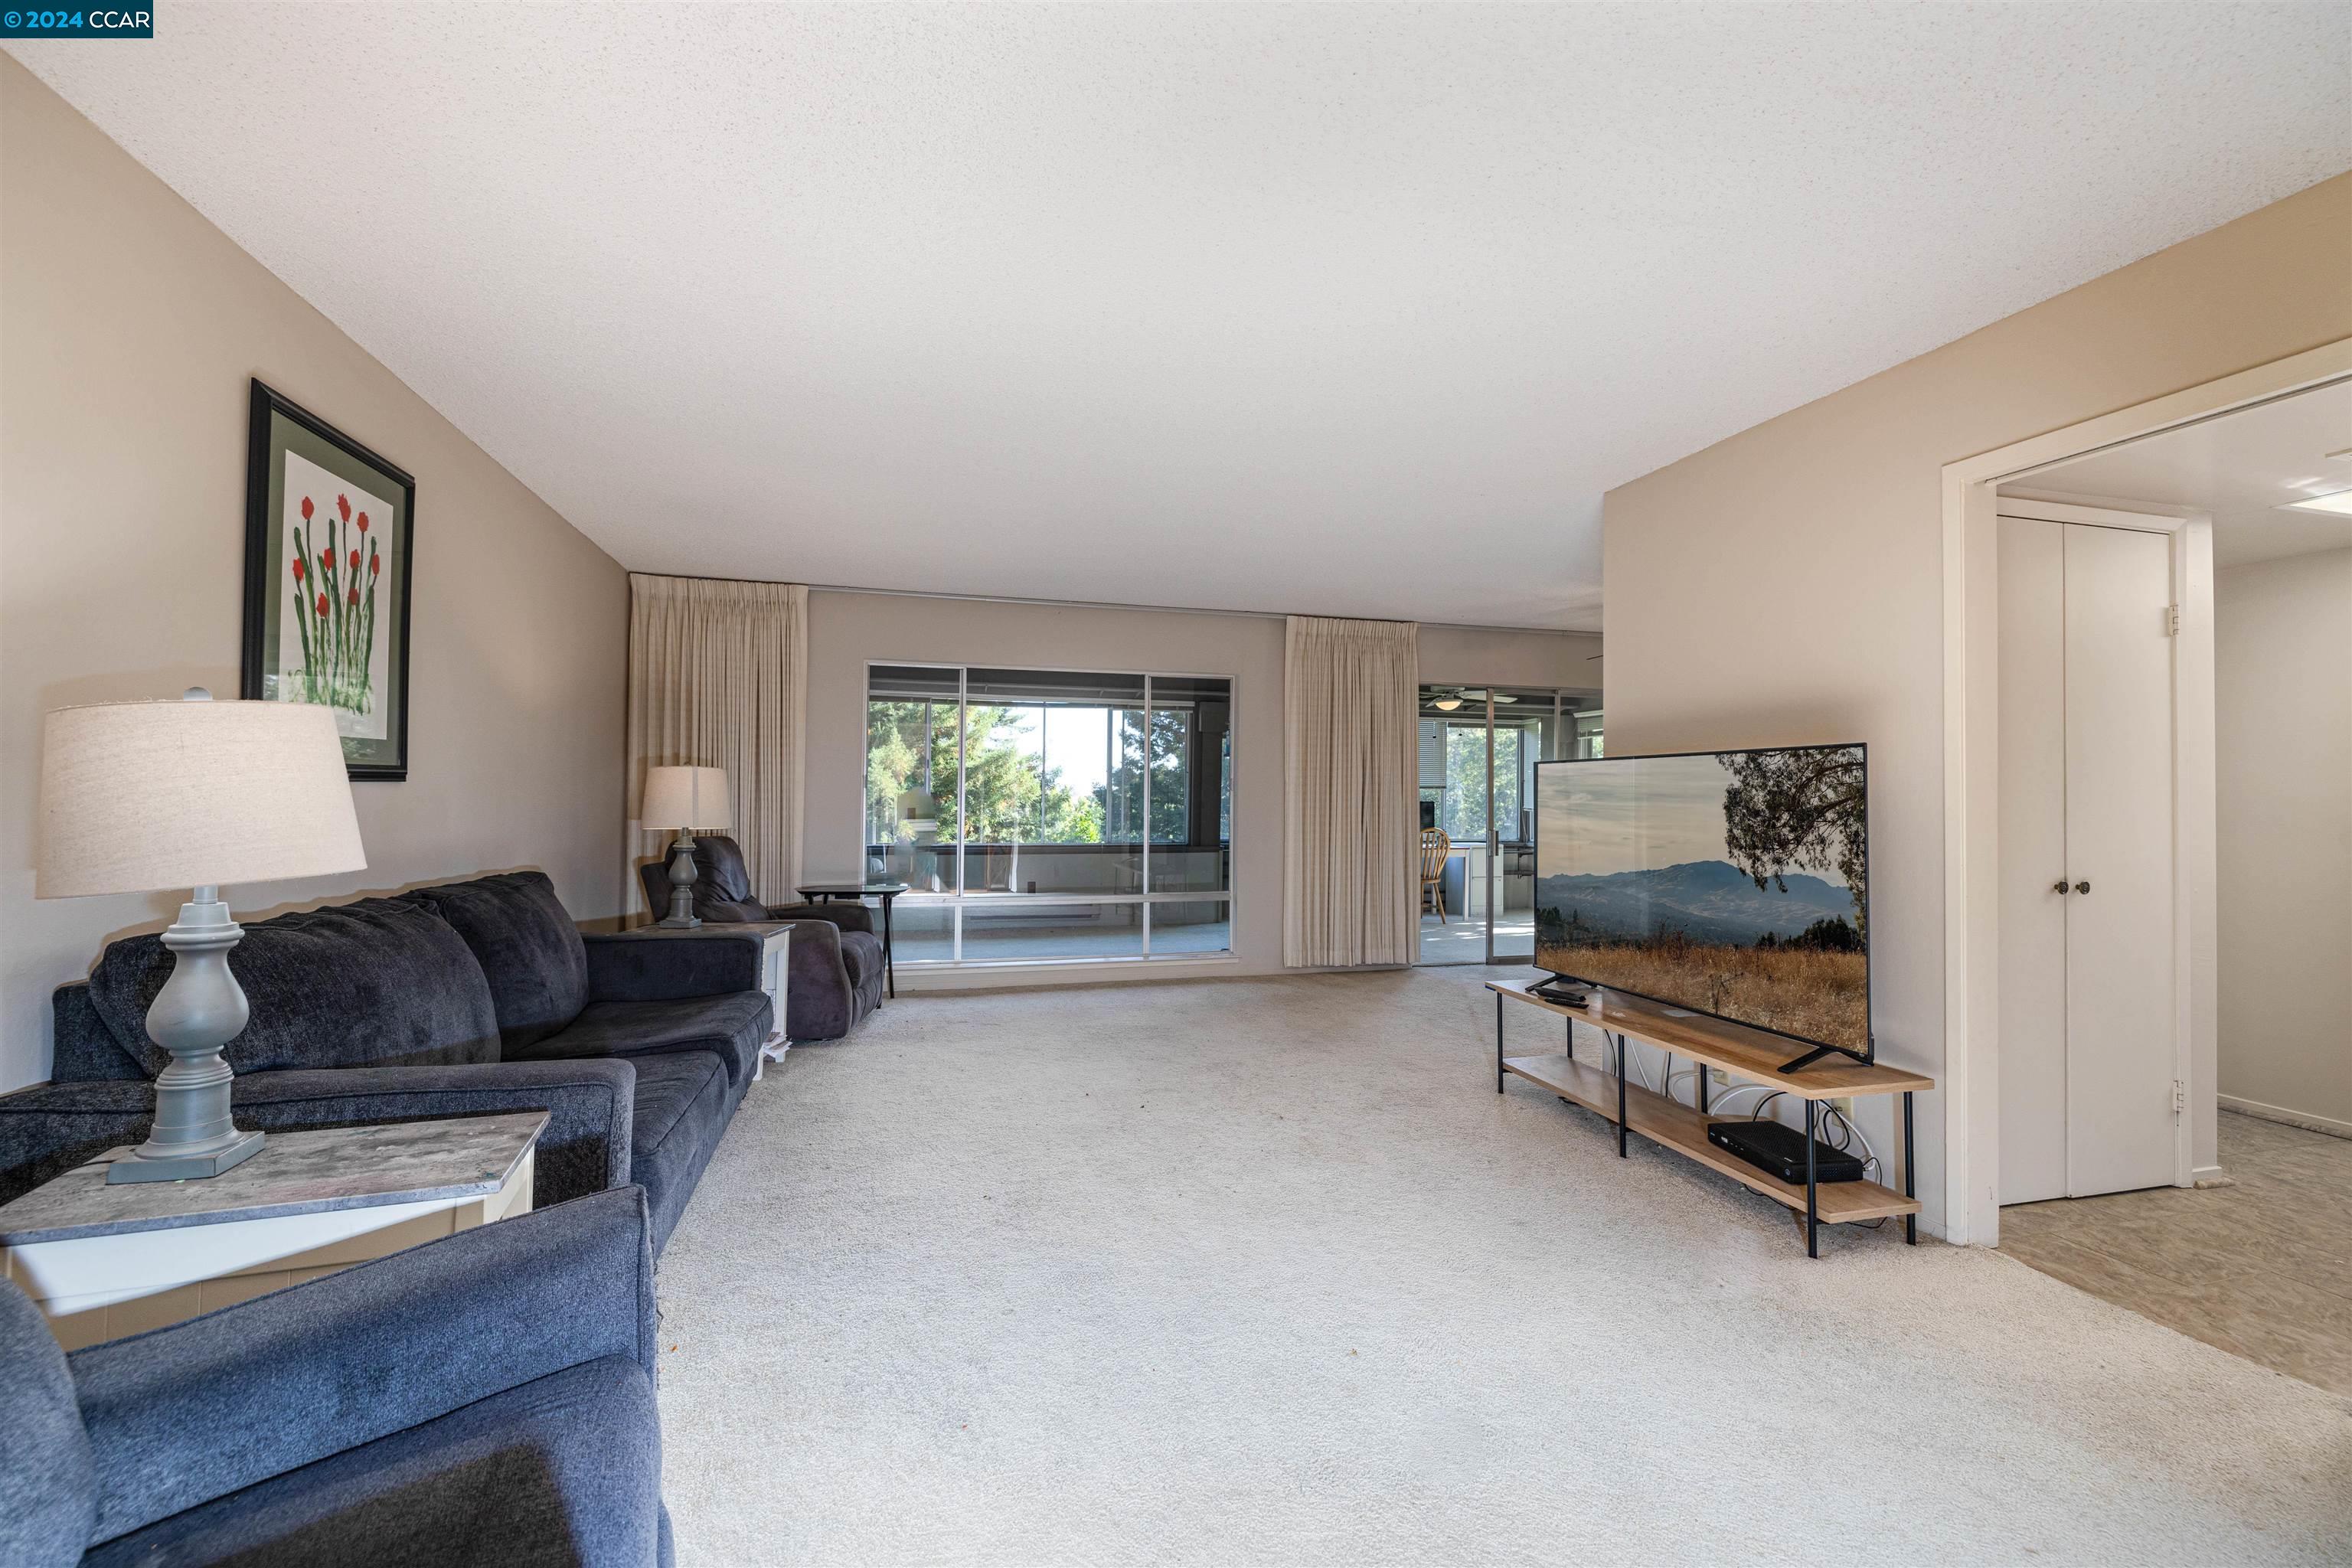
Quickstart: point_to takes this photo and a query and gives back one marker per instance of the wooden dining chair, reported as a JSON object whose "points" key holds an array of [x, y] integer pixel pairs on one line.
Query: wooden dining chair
{"points": [[1435, 848]]}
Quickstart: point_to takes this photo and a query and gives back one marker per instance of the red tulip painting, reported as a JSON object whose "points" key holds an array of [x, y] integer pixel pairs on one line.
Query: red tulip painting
{"points": [[329, 536], [338, 638]]}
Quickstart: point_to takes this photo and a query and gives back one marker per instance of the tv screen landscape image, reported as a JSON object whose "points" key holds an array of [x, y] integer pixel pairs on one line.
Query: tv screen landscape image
{"points": [[1732, 883]]}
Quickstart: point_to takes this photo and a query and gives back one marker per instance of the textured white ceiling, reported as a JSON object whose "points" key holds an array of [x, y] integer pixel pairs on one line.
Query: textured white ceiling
{"points": [[1350, 310]]}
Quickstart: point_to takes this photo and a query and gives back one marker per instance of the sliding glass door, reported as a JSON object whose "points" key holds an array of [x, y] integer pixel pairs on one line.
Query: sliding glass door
{"points": [[1051, 815], [1479, 747]]}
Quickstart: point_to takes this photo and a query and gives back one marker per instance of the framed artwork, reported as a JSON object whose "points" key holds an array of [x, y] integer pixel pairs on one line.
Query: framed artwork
{"points": [[329, 536]]}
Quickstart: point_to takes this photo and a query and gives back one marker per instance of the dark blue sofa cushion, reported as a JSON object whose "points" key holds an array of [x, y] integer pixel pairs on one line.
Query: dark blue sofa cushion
{"points": [[655, 964], [683, 1103], [733, 1025], [380, 983], [86, 1048], [48, 1485], [527, 945], [557, 1473]]}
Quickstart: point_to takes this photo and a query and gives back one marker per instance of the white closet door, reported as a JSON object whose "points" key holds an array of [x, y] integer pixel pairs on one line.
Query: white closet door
{"points": [[2032, 1051], [2119, 840]]}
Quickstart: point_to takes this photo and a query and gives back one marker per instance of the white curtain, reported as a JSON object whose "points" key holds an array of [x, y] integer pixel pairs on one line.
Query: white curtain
{"points": [[718, 678], [1350, 883]]}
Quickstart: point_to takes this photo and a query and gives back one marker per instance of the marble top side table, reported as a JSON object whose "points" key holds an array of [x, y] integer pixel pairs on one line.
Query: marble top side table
{"points": [[103, 1261]]}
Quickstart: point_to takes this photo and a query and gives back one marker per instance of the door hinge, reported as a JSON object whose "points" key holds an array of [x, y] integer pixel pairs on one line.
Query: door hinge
{"points": [[2179, 1096], [2172, 620]]}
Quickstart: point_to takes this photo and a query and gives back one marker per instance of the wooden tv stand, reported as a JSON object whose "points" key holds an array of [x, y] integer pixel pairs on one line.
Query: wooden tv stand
{"points": [[1742, 1053]]}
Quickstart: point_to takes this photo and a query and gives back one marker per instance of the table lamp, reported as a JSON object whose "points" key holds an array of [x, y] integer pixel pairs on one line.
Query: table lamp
{"points": [[686, 799], [138, 798]]}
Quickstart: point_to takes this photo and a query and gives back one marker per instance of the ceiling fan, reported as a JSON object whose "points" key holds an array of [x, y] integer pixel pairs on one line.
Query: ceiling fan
{"points": [[1455, 696]]}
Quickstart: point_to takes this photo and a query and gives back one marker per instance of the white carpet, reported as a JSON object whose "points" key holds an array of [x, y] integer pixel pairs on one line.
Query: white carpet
{"points": [[1264, 1271]]}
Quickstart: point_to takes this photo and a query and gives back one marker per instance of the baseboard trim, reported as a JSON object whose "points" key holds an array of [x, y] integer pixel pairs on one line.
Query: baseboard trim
{"points": [[2280, 1113], [1013, 975]]}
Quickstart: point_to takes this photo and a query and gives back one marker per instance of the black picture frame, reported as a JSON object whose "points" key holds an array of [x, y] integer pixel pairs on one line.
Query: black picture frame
{"points": [[283, 564]]}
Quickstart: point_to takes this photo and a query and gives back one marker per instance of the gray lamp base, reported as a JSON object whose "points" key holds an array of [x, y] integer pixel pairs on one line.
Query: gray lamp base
{"points": [[136, 1167], [199, 1011], [682, 875]]}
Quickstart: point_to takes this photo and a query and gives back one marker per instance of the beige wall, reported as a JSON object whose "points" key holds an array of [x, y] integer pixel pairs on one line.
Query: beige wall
{"points": [[1786, 585], [128, 330], [1473, 655], [2283, 711], [849, 630]]}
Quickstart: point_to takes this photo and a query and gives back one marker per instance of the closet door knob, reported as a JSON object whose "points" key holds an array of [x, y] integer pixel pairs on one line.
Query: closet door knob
{"points": [[2081, 887], [2059, 886]]}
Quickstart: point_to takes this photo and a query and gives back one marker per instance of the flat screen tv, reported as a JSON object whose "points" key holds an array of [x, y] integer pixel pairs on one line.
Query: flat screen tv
{"points": [[1735, 884]]}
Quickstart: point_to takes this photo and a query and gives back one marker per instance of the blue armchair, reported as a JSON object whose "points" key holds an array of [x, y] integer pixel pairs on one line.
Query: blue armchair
{"points": [[837, 966], [487, 1397]]}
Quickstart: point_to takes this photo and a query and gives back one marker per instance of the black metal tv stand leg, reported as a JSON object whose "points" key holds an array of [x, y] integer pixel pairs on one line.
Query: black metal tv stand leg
{"points": [[1498, 1042], [1910, 1221], [1621, 1096], [1812, 1193]]}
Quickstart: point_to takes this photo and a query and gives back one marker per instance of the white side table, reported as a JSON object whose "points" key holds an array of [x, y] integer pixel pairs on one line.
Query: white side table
{"points": [[775, 969], [101, 1262]]}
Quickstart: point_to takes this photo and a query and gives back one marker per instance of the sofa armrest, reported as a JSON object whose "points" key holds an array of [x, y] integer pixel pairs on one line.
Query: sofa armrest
{"points": [[48, 1129], [843, 914], [185, 1413], [650, 965]]}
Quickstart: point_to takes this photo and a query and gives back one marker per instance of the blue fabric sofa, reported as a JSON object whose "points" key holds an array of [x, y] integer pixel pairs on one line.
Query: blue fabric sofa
{"points": [[836, 963], [462, 999], [487, 1397]]}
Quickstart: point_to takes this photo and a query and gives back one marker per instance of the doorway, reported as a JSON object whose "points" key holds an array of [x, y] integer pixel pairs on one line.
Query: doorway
{"points": [[1970, 1108], [1478, 749], [2241, 1237]]}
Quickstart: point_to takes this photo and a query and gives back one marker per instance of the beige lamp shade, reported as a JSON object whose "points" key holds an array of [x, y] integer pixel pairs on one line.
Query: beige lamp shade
{"points": [[685, 797], [144, 796]]}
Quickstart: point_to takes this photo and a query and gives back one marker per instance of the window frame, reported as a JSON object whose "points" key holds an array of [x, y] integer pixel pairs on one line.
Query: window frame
{"points": [[958, 899]]}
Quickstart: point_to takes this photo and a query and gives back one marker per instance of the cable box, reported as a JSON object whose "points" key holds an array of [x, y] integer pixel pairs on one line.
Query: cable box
{"points": [[1780, 1149]]}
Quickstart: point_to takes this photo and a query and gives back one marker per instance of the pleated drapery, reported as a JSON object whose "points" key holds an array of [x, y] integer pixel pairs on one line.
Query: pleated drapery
{"points": [[718, 678], [1351, 791]]}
